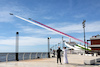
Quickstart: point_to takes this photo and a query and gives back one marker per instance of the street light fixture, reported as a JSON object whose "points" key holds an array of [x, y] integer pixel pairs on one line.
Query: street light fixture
{"points": [[84, 33], [49, 47]]}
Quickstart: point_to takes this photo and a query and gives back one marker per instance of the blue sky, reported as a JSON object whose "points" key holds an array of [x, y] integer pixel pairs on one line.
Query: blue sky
{"points": [[63, 15]]}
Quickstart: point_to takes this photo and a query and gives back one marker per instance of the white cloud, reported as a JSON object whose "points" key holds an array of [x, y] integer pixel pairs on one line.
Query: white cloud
{"points": [[48, 18], [18, 9], [7, 41], [93, 26], [72, 28], [80, 15], [28, 41], [27, 29], [5, 17], [31, 41], [66, 28], [78, 28]]}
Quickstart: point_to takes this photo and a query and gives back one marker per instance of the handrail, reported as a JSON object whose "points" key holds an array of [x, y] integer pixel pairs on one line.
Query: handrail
{"points": [[30, 55]]}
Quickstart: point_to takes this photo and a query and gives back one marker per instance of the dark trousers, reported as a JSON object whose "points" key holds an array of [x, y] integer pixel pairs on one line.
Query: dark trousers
{"points": [[58, 59]]}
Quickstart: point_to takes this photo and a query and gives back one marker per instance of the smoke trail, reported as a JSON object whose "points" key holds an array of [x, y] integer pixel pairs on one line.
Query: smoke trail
{"points": [[49, 28]]}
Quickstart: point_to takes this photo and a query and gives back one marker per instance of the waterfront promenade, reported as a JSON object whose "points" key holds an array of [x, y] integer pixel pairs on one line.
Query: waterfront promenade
{"points": [[74, 61]]}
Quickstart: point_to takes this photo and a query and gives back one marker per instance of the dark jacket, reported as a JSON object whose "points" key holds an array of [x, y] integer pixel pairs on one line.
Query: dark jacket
{"points": [[58, 53]]}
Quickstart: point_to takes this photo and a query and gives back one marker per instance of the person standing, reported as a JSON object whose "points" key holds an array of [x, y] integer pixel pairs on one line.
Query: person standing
{"points": [[54, 53], [59, 55], [65, 55]]}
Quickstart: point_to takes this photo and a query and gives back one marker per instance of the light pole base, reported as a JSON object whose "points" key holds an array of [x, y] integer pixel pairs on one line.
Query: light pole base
{"points": [[48, 54]]}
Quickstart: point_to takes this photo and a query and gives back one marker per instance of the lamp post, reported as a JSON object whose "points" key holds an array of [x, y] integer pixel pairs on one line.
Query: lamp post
{"points": [[62, 43], [17, 42], [84, 33], [87, 43], [55, 46], [49, 47], [58, 44]]}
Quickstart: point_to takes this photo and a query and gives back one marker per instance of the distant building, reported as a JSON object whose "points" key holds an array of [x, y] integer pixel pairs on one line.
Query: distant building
{"points": [[95, 42], [72, 43]]}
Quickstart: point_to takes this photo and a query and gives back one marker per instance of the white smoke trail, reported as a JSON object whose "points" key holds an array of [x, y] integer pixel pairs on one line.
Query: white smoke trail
{"points": [[51, 29], [38, 24]]}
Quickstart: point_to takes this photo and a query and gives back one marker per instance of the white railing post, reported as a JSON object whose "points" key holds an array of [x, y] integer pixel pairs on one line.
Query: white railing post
{"points": [[7, 57], [23, 56], [30, 56], [36, 55], [41, 55], [46, 55]]}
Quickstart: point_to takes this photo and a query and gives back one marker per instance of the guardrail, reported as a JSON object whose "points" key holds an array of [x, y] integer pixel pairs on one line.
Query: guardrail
{"points": [[32, 55], [75, 51], [5, 57], [70, 52]]}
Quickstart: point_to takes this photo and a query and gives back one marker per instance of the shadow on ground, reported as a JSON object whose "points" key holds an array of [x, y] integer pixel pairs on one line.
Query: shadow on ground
{"points": [[83, 65]]}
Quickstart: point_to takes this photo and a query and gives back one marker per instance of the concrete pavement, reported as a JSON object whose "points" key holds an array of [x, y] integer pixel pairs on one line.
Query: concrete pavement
{"points": [[74, 61]]}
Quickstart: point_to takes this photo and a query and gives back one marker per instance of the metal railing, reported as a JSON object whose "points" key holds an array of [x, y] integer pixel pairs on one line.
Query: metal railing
{"points": [[34, 55], [22, 56], [75, 51]]}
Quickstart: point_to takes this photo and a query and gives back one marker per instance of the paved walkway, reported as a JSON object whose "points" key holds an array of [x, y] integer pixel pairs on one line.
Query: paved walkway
{"points": [[74, 61]]}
